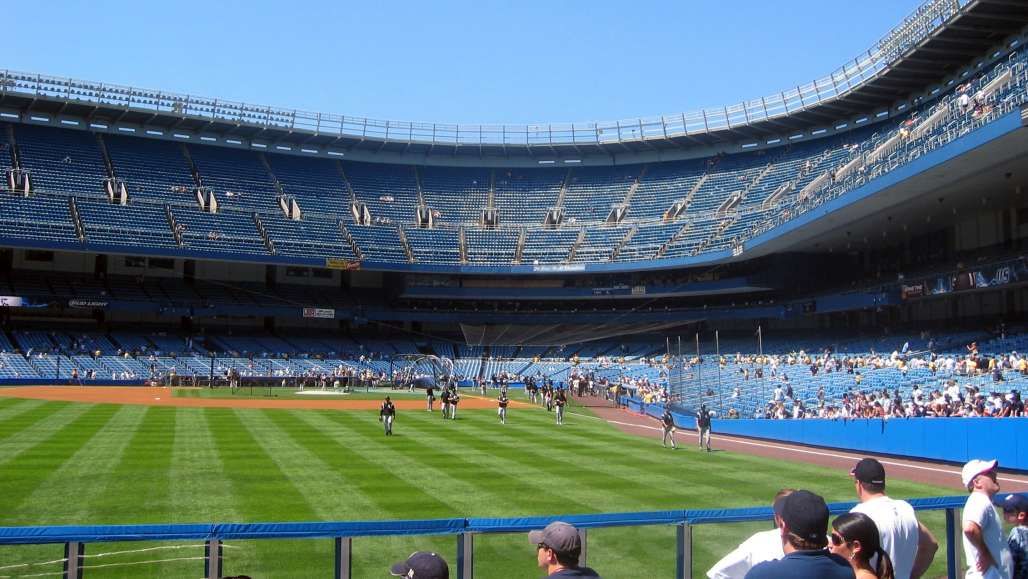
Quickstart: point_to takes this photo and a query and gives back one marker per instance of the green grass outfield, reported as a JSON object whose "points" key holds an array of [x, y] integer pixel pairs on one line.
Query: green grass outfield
{"points": [[66, 463]]}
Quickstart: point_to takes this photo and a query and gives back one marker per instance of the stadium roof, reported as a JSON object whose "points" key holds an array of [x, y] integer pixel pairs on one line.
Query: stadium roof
{"points": [[929, 46]]}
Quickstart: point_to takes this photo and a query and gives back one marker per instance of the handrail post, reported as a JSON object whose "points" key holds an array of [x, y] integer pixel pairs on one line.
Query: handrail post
{"points": [[466, 556], [212, 559], [74, 552], [344, 558], [583, 536], [683, 557], [954, 540]]}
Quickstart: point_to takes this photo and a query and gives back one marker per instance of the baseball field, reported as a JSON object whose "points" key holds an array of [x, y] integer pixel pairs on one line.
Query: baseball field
{"points": [[72, 463]]}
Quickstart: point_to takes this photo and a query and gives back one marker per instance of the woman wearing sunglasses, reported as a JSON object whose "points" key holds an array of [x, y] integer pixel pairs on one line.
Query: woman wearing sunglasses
{"points": [[855, 537]]}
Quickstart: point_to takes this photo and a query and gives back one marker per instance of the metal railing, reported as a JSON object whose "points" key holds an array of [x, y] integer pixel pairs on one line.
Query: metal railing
{"points": [[75, 539], [921, 24]]}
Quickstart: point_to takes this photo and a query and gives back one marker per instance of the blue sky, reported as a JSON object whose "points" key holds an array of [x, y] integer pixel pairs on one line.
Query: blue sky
{"points": [[481, 61]]}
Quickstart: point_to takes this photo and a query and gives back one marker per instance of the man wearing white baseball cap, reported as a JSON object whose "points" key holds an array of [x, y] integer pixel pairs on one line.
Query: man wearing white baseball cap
{"points": [[985, 551]]}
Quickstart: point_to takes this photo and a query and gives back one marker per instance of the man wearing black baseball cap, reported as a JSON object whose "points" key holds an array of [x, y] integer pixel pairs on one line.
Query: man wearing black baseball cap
{"points": [[804, 540], [558, 548], [421, 565], [910, 544]]}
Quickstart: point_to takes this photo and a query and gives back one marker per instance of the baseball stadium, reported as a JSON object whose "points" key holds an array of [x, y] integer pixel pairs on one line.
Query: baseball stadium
{"points": [[241, 340]]}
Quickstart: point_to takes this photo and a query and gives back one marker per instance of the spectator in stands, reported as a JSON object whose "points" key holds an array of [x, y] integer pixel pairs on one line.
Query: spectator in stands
{"points": [[760, 547], [910, 545], [855, 537], [985, 551], [421, 565], [804, 522], [558, 549]]}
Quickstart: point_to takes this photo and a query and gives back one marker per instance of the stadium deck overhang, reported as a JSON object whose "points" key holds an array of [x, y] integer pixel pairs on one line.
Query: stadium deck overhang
{"points": [[969, 32]]}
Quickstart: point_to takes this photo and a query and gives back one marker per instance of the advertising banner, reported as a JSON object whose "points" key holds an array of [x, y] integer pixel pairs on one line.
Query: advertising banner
{"points": [[321, 313]]}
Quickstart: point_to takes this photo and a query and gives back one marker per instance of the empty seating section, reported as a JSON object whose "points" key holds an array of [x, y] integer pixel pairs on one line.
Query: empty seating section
{"points": [[378, 243], [317, 184], [592, 191], [61, 160], [390, 191], [133, 225], [79, 286], [16, 366], [774, 185], [37, 218], [648, 240], [599, 244], [459, 195], [695, 234], [310, 237], [6, 153], [495, 246], [662, 186], [152, 169], [434, 245], [548, 245], [238, 178], [524, 195], [728, 176], [227, 231]]}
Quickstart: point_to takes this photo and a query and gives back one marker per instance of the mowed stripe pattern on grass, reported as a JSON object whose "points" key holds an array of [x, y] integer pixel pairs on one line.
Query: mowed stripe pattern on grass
{"points": [[139, 465]]}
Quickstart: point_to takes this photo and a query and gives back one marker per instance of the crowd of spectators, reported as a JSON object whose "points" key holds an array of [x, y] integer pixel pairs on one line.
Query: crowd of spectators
{"points": [[947, 399]]}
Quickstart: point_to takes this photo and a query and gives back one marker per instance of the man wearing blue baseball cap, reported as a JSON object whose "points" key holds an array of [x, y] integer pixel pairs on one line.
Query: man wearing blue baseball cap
{"points": [[1015, 511], [804, 534], [421, 565]]}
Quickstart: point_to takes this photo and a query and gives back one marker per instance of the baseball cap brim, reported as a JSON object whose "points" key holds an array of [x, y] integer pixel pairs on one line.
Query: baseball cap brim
{"points": [[983, 466], [535, 537], [401, 569]]}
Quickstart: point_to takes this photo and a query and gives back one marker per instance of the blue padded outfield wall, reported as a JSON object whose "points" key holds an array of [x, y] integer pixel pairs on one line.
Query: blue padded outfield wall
{"points": [[948, 439]]}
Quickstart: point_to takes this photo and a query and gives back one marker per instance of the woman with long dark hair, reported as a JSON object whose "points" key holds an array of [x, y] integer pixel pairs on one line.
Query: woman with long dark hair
{"points": [[855, 537]]}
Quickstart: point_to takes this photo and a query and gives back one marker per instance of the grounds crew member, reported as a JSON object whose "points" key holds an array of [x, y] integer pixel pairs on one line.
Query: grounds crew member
{"points": [[386, 415], [668, 421]]}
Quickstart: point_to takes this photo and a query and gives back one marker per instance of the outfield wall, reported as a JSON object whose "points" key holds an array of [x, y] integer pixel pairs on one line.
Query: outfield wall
{"points": [[946, 439]]}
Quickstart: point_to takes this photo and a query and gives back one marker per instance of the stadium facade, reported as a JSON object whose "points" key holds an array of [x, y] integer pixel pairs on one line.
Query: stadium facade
{"points": [[826, 205]]}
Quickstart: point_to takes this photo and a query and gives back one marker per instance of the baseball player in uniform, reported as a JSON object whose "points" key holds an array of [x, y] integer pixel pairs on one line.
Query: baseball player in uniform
{"points": [[703, 427], [560, 400], [502, 402], [386, 415], [429, 397], [668, 421], [444, 400], [454, 399]]}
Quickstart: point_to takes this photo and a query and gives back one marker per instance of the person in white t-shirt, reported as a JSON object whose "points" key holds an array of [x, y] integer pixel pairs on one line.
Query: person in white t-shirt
{"points": [[910, 545], [985, 549], [760, 547]]}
